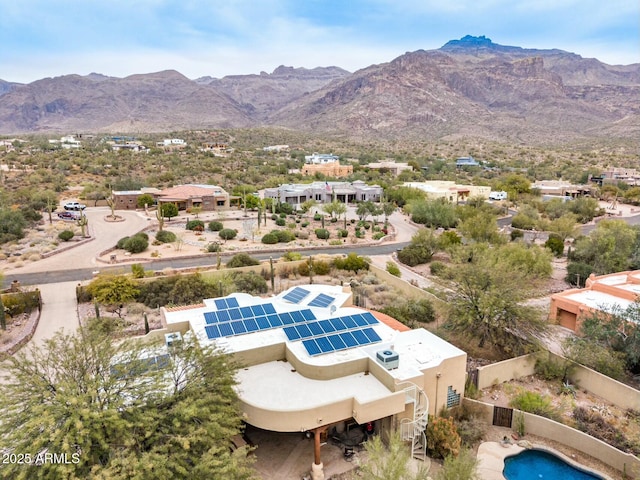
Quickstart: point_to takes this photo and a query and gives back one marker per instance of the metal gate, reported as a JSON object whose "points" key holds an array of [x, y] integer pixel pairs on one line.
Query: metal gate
{"points": [[502, 416]]}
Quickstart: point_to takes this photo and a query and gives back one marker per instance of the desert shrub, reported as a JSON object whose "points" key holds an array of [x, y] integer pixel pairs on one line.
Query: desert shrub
{"points": [[122, 242], [65, 235], [594, 424], [213, 247], [577, 273], [292, 256], [556, 245], [304, 224], [449, 239], [410, 312], [195, 225], [442, 437], [157, 292], [352, 263], [269, 239], [227, 234], [22, 302], [178, 290], [281, 222], [413, 256], [144, 235], [469, 424], [342, 233], [516, 234], [317, 217], [249, 282], [464, 466], [320, 267], [438, 269], [302, 234], [284, 236], [551, 369], [242, 260], [393, 269], [136, 244], [378, 235], [533, 402], [215, 226], [523, 222], [322, 233], [137, 270], [165, 236]]}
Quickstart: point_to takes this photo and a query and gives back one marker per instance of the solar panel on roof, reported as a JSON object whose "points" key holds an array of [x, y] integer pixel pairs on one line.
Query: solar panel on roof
{"points": [[286, 318], [349, 322], [268, 308], [223, 316], [275, 320], [225, 329], [370, 319], [360, 320], [297, 317], [322, 300], [348, 339], [210, 317], [212, 331], [235, 314], [257, 310], [238, 327], [221, 303], [292, 333], [252, 325], [315, 328], [372, 335], [327, 326], [312, 347], [336, 341], [246, 312], [296, 295], [324, 344], [308, 314], [304, 331], [263, 323], [232, 303], [360, 337], [338, 323]]}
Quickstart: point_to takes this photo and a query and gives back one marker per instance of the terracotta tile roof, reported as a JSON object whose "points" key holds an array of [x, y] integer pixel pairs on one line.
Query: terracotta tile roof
{"points": [[389, 321]]}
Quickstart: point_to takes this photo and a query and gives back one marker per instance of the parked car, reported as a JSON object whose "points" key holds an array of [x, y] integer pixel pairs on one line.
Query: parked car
{"points": [[74, 206], [69, 215]]}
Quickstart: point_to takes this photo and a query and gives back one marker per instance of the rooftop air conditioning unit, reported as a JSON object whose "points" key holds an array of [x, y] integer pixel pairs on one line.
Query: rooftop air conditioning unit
{"points": [[388, 359], [171, 339]]}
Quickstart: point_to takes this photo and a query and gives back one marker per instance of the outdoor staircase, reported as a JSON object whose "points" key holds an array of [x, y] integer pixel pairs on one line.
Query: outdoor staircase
{"points": [[414, 430]]}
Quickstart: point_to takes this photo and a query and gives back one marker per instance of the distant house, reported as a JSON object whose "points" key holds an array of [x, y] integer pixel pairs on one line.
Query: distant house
{"points": [[329, 169], [390, 165], [462, 162], [209, 197], [170, 144], [319, 158], [559, 188], [276, 148], [325, 192], [603, 293], [450, 191]]}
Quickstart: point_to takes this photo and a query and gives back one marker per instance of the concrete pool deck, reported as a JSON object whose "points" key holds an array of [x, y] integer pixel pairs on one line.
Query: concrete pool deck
{"points": [[491, 457]]}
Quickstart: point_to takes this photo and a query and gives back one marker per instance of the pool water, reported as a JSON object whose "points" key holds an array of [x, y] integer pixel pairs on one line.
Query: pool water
{"points": [[540, 465]]}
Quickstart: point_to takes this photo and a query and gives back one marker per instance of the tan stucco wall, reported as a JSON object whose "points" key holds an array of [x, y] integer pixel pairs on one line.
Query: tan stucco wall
{"points": [[506, 370]]}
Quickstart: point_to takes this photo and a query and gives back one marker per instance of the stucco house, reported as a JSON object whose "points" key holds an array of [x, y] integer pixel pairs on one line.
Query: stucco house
{"points": [[312, 361], [325, 192], [601, 293]]}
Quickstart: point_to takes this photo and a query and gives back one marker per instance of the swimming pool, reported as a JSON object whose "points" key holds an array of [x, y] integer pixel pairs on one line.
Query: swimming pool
{"points": [[541, 465]]}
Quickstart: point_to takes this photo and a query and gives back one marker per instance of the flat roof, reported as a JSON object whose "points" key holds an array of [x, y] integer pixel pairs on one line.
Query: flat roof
{"points": [[598, 300]]}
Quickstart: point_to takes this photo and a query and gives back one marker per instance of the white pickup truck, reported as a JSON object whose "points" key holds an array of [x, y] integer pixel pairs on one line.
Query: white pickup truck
{"points": [[74, 206]]}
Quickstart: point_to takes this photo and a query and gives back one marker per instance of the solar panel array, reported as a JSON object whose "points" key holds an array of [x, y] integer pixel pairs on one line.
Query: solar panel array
{"points": [[237, 321], [322, 300], [318, 336], [296, 295], [334, 334]]}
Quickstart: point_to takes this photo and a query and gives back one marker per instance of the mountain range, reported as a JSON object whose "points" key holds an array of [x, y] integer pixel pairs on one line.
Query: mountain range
{"points": [[470, 87]]}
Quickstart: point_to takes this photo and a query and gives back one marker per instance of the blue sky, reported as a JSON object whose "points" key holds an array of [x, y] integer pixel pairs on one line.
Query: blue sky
{"points": [[46, 38]]}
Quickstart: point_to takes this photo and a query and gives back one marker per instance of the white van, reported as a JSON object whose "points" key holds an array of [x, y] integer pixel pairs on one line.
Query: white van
{"points": [[498, 195]]}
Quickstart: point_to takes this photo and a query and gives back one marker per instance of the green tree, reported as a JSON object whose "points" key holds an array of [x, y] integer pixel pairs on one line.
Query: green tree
{"points": [[585, 209], [145, 200], [486, 303], [12, 224], [120, 415], [169, 210], [389, 463], [564, 226], [242, 260], [461, 467], [481, 227], [424, 244], [352, 263], [113, 291], [608, 248], [433, 213]]}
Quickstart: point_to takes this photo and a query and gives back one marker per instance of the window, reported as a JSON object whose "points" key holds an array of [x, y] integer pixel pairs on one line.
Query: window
{"points": [[453, 398]]}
